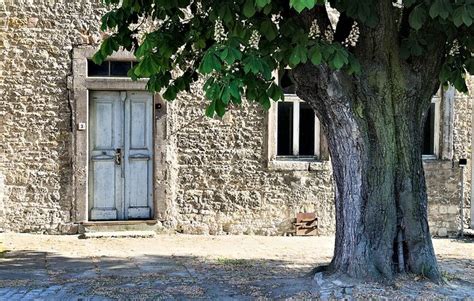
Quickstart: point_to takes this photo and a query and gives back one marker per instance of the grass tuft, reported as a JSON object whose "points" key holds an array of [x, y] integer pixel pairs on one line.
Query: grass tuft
{"points": [[233, 262]]}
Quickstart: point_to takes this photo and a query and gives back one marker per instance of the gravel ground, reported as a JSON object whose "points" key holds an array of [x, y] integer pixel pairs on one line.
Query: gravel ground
{"points": [[40, 267]]}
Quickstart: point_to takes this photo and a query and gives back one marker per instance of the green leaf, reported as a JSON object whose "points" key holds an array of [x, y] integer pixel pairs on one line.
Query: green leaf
{"points": [[298, 55], [460, 84], [417, 17], [262, 3], [109, 45], [235, 92], [265, 102], [275, 92], [340, 59], [98, 58], [269, 30], [249, 9], [253, 64], [300, 5], [170, 93], [466, 17], [148, 66], [224, 53], [435, 9], [446, 9], [458, 16], [354, 65], [469, 63], [315, 55], [211, 109], [225, 95], [225, 14], [210, 62], [220, 108], [200, 44]]}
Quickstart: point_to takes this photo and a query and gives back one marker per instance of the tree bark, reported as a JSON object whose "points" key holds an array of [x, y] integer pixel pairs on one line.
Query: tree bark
{"points": [[373, 125]]}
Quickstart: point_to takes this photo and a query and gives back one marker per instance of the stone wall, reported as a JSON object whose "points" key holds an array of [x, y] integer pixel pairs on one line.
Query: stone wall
{"points": [[462, 142], [2, 206], [442, 181], [218, 177], [36, 39], [225, 185]]}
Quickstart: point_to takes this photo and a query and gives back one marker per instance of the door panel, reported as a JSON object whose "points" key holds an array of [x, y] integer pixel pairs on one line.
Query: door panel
{"points": [[104, 124], [138, 154], [105, 176], [120, 173], [138, 125], [104, 190]]}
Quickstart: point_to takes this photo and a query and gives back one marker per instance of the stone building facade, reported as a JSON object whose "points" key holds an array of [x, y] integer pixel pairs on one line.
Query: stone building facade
{"points": [[209, 176]]}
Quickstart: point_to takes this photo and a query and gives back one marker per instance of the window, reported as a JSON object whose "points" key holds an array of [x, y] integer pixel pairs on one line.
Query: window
{"points": [[297, 127], [431, 128], [109, 68]]}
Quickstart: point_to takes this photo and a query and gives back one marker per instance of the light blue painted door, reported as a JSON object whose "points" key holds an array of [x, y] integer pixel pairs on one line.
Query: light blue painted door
{"points": [[120, 150], [138, 155]]}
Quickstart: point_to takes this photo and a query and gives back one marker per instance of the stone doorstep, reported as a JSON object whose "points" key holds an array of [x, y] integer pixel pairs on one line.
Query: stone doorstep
{"points": [[118, 234], [468, 232], [119, 226]]}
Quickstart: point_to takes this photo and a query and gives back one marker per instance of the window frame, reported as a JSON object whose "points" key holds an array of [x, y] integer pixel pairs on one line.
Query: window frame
{"points": [[109, 62], [294, 163], [296, 101], [436, 100]]}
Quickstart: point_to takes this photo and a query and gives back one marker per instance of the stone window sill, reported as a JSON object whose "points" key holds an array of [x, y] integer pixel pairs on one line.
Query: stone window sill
{"points": [[429, 158], [297, 165]]}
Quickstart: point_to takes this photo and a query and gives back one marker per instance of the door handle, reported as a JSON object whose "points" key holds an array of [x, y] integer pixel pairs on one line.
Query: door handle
{"points": [[118, 156]]}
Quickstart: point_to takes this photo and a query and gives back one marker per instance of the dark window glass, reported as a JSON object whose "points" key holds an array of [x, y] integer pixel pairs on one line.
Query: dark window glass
{"points": [[306, 130], [428, 132], [285, 129], [287, 82], [118, 68], [97, 70]]}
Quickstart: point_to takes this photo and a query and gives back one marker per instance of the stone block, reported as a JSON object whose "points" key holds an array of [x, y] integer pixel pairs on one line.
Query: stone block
{"points": [[443, 209], [453, 209], [443, 232]]}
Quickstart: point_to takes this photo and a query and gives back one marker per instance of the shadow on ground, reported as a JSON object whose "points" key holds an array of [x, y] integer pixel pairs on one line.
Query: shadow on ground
{"points": [[41, 275], [49, 275]]}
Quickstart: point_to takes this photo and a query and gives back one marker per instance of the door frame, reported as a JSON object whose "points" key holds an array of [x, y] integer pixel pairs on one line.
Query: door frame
{"points": [[81, 85]]}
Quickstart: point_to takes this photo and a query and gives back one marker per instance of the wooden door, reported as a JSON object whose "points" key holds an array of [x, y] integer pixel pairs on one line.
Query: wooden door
{"points": [[120, 151], [138, 155]]}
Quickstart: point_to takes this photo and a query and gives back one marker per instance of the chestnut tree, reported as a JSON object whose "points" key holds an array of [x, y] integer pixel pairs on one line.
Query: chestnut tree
{"points": [[369, 76]]}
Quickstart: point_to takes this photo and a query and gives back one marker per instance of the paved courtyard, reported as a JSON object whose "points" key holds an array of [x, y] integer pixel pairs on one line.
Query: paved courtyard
{"points": [[37, 267]]}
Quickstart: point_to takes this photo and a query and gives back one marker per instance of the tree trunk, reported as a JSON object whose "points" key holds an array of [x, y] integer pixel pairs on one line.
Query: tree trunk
{"points": [[373, 126]]}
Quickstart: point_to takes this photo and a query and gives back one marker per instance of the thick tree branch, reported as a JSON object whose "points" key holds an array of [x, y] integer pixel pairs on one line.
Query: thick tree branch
{"points": [[377, 43]]}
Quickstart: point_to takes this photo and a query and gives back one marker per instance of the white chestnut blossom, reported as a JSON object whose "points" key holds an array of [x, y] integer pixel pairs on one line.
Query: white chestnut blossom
{"points": [[455, 48], [254, 39], [329, 34], [353, 36], [199, 7], [276, 19], [219, 31], [314, 31]]}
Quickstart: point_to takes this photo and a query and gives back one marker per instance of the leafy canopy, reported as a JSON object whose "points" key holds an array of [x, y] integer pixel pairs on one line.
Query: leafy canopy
{"points": [[235, 45]]}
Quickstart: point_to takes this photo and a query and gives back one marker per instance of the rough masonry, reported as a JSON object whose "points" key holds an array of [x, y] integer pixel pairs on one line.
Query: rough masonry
{"points": [[217, 176]]}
